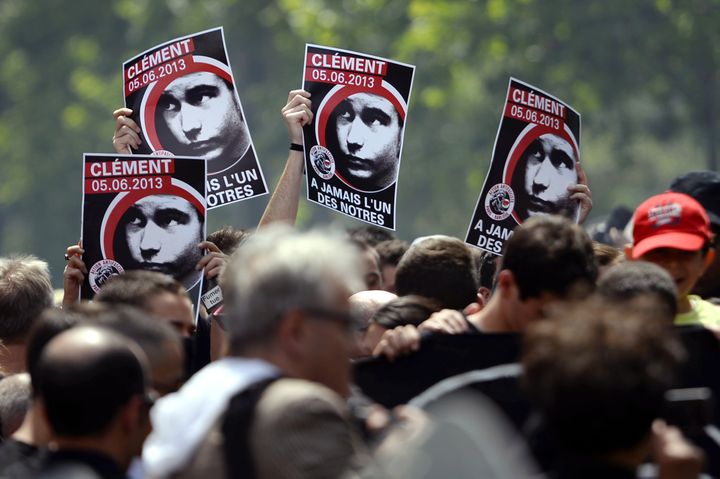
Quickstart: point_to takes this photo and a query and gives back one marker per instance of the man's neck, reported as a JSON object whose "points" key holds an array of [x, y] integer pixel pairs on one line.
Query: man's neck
{"points": [[491, 319], [105, 445], [33, 430], [684, 305]]}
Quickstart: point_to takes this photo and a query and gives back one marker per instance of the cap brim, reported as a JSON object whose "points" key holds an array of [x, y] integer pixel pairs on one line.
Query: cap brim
{"points": [[671, 239]]}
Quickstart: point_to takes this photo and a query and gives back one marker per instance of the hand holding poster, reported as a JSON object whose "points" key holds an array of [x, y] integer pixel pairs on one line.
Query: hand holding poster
{"points": [[143, 212], [184, 99], [535, 159], [354, 144]]}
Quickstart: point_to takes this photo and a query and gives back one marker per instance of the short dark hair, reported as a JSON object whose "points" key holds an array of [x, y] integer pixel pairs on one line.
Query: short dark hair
{"points": [[571, 364], [228, 239], [137, 287], [410, 309], [82, 394], [51, 322], [550, 254], [149, 334], [25, 291], [391, 251], [370, 234], [630, 280], [441, 268]]}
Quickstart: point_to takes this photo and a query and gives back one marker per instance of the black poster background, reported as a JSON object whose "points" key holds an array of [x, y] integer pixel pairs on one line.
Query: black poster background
{"points": [[226, 184], [362, 205], [494, 232], [98, 208]]}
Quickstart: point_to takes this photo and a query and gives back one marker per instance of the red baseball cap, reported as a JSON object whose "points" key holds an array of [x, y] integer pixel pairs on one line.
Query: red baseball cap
{"points": [[670, 220]]}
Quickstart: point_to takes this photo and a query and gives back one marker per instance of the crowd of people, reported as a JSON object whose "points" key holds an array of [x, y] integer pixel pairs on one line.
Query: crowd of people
{"points": [[357, 354]]}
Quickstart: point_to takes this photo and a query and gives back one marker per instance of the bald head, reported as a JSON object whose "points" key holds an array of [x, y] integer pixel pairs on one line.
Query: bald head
{"points": [[85, 376], [364, 305]]}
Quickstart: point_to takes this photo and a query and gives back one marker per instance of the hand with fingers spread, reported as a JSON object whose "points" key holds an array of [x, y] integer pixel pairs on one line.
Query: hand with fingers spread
{"points": [[397, 342], [581, 192], [127, 132], [297, 113], [213, 263], [446, 321], [73, 275]]}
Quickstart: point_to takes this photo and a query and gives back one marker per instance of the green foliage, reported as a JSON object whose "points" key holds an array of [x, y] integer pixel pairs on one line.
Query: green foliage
{"points": [[643, 74]]}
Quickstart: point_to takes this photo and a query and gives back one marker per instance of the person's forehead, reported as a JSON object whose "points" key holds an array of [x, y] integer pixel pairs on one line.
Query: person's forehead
{"points": [[170, 307], [181, 85], [555, 142], [150, 204], [369, 100]]}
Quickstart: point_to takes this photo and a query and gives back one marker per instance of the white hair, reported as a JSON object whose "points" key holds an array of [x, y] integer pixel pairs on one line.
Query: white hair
{"points": [[278, 270]]}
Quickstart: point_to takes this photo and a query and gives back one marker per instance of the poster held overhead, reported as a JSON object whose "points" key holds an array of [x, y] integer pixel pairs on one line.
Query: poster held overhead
{"points": [[535, 159], [143, 212], [354, 144], [184, 100]]}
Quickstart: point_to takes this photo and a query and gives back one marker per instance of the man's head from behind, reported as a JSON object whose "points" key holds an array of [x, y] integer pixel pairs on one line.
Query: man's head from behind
{"points": [[25, 291], [156, 294], [441, 268], [672, 230], [92, 384], [571, 366], [548, 258], [633, 282], [286, 298]]}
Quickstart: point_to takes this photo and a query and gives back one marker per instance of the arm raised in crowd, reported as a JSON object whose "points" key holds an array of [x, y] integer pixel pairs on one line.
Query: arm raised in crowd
{"points": [[73, 275], [283, 205]]}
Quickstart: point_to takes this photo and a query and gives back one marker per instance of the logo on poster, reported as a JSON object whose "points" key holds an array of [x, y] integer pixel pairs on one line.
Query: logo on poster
{"points": [[499, 202], [322, 162], [102, 271]]}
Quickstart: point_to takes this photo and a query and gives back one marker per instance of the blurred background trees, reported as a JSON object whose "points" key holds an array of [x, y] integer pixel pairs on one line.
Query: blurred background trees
{"points": [[644, 75]]}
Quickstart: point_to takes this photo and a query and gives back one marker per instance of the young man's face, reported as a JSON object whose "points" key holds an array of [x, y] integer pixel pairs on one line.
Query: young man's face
{"points": [[549, 170], [162, 234], [685, 267], [201, 113], [368, 131]]}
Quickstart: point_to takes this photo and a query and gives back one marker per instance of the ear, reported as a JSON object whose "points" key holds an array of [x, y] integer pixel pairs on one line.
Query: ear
{"points": [[483, 296], [292, 331], [506, 284], [130, 414], [628, 252]]}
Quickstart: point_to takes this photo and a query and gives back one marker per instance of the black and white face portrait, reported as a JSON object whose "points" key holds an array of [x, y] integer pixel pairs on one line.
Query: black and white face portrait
{"points": [[545, 171], [199, 115], [368, 130], [161, 233]]}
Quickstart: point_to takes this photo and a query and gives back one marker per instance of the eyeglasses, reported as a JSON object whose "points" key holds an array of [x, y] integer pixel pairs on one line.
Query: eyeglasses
{"points": [[341, 317]]}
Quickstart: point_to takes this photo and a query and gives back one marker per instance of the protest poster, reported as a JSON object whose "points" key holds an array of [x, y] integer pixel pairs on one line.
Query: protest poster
{"points": [[184, 100], [143, 212], [354, 144], [534, 160]]}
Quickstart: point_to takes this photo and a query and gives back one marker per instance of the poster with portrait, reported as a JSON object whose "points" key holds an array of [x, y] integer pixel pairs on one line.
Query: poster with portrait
{"points": [[184, 99], [143, 212], [354, 144], [535, 158]]}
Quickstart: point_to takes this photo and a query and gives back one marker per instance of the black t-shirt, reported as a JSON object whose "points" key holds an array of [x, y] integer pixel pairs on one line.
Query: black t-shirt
{"points": [[14, 452]]}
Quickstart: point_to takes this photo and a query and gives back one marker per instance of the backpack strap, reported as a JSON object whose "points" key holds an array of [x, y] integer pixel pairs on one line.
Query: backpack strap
{"points": [[236, 430]]}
